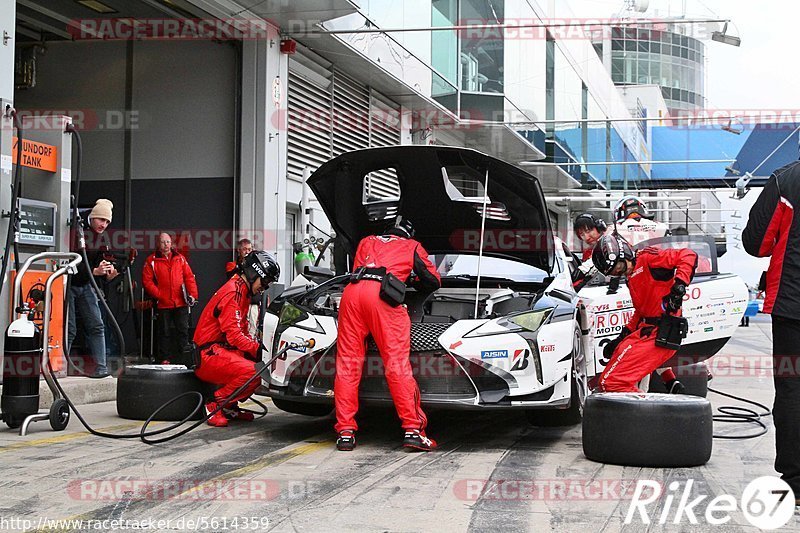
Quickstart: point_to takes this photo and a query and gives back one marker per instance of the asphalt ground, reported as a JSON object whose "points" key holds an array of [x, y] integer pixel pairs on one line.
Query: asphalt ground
{"points": [[492, 472]]}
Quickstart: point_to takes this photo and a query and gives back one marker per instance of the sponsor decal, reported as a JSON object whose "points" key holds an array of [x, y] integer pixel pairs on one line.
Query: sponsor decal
{"points": [[494, 354], [548, 348], [301, 349], [602, 307], [706, 330], [455, 345], [520, 360], [737, 309]]}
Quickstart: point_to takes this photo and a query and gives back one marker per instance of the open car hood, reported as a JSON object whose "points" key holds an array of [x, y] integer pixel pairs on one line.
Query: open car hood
{"points": [[441, 190]]}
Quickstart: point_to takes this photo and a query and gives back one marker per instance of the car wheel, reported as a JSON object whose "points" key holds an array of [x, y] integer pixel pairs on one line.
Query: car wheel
{"points": [[647, 430], [303, 408], [142, 389], [694, 378], [579, 390]]}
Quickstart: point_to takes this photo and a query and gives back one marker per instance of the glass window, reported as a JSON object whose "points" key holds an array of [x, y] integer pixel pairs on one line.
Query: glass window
{"points": [[684, 41], [630, 33], [666, 38], [655, 47], [655, 72], [643, 34], [644, 46], [630, 46], [616, 33], [685, 53], [482, 55], [617, 44], [655, 35], [444, 44], [643, 72]]}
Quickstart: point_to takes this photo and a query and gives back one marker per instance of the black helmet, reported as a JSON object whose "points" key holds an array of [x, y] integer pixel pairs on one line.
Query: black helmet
{"points": [[402, 227], [587, 222], [629, 206], [610, 251], [262, 265]]}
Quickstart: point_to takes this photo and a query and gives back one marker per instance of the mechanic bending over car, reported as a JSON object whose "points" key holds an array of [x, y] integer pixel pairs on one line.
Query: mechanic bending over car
{"points": [[657, 281], [372, 303], [228, 352], [590, 229]]}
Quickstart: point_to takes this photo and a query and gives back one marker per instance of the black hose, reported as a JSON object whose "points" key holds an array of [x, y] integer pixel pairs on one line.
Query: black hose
{"points": [[77, 225], [14, 212], [144, 435], [740, 415]]}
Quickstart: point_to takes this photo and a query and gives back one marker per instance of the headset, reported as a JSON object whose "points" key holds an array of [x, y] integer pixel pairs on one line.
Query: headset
{"points": [[598, 223]]}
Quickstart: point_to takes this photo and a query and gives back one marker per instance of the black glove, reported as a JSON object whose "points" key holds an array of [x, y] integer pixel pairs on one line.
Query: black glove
{"points": [[673, 301], [608, 349]]}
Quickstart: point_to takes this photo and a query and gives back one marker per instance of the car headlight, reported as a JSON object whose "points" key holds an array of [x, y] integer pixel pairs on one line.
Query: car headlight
{"points": [[526, 321]]}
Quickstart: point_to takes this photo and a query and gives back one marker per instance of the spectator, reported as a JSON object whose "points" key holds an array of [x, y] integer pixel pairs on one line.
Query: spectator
{"points": [[243, 247], [84, 305], [168, 278], [772, 231]]}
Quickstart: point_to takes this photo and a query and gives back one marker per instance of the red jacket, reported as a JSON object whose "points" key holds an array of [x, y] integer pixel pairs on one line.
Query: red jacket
{"points": [[399, 256], [652, 279], [162, 279], [224, 319]]}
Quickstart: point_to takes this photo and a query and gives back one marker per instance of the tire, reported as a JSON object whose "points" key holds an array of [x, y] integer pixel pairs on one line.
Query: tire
{"points": [[647, 430], [59, 415], [142, 389], [694, 378], [303, 408], [579, 390]]}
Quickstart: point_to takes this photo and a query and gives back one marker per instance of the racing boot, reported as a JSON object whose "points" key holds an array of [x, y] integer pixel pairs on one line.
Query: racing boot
{"points": [[415, 439], [346, 441], [235, 412], [675, 387], [217, 419]]}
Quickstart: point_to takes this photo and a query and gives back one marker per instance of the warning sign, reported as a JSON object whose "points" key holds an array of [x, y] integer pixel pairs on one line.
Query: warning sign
{"points": [[36, 155]]}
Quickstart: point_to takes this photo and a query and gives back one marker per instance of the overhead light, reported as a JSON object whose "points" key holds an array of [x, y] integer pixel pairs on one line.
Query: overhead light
{"points": [[723, 37], [98, 6]]}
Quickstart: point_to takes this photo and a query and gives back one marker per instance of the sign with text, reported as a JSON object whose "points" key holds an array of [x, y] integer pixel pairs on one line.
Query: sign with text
{"points": [[36, 155]]}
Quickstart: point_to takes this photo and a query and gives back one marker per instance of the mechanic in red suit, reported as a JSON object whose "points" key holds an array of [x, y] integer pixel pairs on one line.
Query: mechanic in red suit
{"points": [[657, 280], [362, 312], [227, 351]]}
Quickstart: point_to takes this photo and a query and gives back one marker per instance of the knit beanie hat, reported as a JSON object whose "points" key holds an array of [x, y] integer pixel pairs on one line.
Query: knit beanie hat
{"points": [[102, 209]]}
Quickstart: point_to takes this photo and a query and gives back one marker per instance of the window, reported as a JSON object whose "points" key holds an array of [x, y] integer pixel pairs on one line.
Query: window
{"points": [[482, 52]]}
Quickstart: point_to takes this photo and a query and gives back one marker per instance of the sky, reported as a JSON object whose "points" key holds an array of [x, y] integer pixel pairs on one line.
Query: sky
{"points": [[758, 75]]}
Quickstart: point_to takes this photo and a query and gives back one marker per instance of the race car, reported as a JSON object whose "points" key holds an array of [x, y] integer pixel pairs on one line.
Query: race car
{"points": [[506, 329]]}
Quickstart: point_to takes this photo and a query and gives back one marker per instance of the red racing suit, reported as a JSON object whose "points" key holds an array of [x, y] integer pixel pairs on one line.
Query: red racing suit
{"points": [[637, 355], [228, 352], [363, 312]]}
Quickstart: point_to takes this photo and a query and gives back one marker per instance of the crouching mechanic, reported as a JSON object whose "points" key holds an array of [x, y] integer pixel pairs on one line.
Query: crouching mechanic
{"points": [[365, 309], [657, 281], [228, 352]]}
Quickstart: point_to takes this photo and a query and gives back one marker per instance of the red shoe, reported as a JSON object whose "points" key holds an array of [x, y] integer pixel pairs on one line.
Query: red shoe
{"points": [[236, 413], [166, 362], [417, 440], [218, 419]]}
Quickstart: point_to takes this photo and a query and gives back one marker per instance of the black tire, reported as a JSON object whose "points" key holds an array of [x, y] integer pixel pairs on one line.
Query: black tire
{"points": [[579, 390], [303, 408], [694, 378], [142, 389], [647, 430], [14, 422], [59, 415]]}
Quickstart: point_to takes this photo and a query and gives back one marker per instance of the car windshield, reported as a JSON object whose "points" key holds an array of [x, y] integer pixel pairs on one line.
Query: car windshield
{"points": [[466, 266]]}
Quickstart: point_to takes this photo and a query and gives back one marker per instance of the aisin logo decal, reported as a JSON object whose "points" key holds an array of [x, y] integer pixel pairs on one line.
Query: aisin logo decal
{"points": [[520, 360]]}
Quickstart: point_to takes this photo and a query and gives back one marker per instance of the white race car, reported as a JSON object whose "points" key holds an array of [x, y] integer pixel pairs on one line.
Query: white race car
{"points": [[506, 329]]}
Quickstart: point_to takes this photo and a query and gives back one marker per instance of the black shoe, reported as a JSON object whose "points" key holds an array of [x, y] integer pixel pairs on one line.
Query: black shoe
{"points": [[346, 441], [675, 387], [417, 440]]}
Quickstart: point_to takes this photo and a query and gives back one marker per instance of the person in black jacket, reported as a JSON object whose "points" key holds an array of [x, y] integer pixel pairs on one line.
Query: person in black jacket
{"points": [[773, 231], [84, 306]]}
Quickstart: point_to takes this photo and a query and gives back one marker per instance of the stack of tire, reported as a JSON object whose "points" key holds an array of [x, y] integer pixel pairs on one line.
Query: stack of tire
{"points": [[143, 389]]}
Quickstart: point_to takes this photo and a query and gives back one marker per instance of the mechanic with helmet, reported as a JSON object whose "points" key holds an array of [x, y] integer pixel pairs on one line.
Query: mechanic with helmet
{"points": [[657, 281], [372, 304], [227, 350], [635, 223]]}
